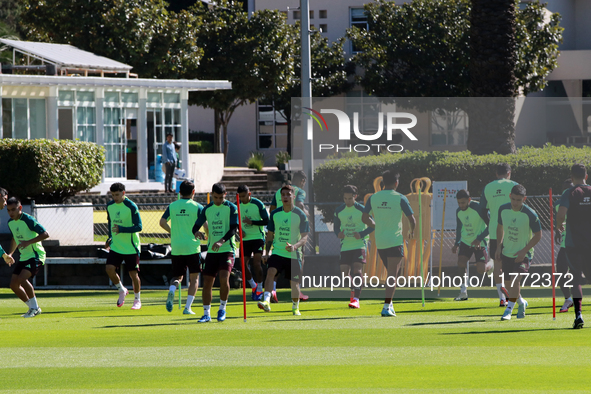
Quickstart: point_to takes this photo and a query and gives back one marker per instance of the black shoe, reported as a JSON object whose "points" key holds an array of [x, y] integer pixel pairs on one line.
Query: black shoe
{"points": [[578, 322]]}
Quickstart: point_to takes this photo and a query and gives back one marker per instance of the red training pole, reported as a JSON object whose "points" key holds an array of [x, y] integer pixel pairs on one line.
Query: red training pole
{"points": [[552, 242], [241, 256]]}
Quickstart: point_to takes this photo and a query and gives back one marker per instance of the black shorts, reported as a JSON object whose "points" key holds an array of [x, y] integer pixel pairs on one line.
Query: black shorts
{"points": [[215, 262], [31, 265], [579, 261], [351, 257], [180, 264], [132, 261], [562, 261], [479, 254], [509, 265], [252, 247], [396, 251], [492, 247], [291, 267]]}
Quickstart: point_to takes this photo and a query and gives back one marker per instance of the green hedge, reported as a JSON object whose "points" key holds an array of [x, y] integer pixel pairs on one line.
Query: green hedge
{"points": [[537, 169], [49, 171], [200, 147]]}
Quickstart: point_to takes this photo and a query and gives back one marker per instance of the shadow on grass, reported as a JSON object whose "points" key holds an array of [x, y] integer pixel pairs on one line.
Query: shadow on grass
{"points": [[297, 318], [446, 322], [504, 331]]}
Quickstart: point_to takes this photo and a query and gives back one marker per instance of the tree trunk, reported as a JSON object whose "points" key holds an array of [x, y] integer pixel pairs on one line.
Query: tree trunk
{"points": [[492, 78], [226, 141], [217, 140]]}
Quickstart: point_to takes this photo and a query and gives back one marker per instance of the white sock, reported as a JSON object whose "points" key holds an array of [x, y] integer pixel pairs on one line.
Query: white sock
{"points": [[206, 309], [120, 287], [28, 302], [172, 289], [500, 292], [510, 305], [252, 283], [274, 286], [463, 288], [520, 301], [267, 296], [189, 302], [223, 305], [137, 296], [386, 306], [295, 304], [260, 287], [33, 303], [355, 299]]}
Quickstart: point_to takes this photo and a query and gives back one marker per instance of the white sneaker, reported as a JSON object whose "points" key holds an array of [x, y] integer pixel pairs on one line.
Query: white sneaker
{"points": [[507, 315], [462, 297], [188, 312], [32, 312], [567, 304]]}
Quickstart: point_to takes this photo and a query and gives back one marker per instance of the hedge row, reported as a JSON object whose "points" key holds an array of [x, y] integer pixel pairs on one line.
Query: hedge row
{"points": [[200, 147], [537, 169], [49, 171]]}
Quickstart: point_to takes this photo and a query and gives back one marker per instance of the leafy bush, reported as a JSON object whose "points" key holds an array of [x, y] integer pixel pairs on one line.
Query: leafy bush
{"points": [[538, 169], [200, 135], [49, 171], [282, 157], [256, 161], [200, 147]]}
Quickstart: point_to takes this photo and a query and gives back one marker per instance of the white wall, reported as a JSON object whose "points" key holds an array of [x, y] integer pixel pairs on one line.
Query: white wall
{"points": [[205, 169]]}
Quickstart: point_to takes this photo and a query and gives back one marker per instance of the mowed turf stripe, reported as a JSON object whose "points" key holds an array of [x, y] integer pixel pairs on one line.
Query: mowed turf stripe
{"points": [[323, 377], [211, 356]]}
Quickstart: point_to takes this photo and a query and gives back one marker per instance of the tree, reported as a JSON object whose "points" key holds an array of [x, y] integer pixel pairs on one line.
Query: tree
{"points": [[255, 54], [423, 49], [141, 33]]}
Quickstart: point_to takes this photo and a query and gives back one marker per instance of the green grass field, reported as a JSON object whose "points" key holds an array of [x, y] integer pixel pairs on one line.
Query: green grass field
{"points": [[83, 343]]}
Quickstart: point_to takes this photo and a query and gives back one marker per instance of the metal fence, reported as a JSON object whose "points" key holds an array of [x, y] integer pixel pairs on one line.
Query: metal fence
{"points": [[86, 224]]}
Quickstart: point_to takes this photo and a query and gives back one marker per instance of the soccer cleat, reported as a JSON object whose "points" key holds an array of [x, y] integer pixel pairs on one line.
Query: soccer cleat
{"points": [[521, 310], [352, 296], [274, 299], [462, 297], [506, 315], [169, 301], [32, 312], [354, 304], [221, 315], [388, 312], [303, 297], [567, 304], [578, 322], [503, 303], [296, 312], [188, 312], [122, 295], [265, 305], [256, 295], [137, 304], [204, 319]]}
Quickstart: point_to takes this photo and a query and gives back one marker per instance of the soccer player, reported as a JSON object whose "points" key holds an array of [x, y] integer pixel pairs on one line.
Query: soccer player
{"points": [[125, 224], [471, 237], [576, 202], [515, 245], [3, 198], [184, 240], [495, 194], [561, 259], [27, 235], [298, 182], [387, 207], [222, 218], [353, 233], [290, 224], [254, 217]]}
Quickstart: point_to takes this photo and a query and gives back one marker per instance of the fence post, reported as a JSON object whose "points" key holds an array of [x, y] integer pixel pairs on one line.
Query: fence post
{"points": [[33, 209]]}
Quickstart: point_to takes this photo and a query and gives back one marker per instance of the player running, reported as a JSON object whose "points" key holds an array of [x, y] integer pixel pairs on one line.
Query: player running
{"points": [[387, 207], [471, 238], [222, 218], [184, 240], [288, 232], [254, 217], [515, 248], [3, 198], [125, 224], [576, 202], [495, 194], [27, 235], [561, 259], [353, 234]]}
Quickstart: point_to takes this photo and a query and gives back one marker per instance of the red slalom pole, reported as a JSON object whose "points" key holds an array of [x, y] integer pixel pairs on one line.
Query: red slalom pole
{"points": [[241, 256], [552, 242]]}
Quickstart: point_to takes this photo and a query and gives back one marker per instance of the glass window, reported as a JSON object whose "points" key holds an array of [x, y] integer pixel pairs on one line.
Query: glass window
{"points": [[37, 118], [323, 28], [82, 97], [112, 97], [66, 95], [129, 98], [359, 20], [323, 14], [21, 121], [154, 98], [272, 128], [297, 14], [172, 98]]}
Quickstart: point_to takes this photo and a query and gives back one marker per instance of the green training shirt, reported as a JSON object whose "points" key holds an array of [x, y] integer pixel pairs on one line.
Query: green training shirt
{"points": [[387, 207], [182, 215], [26, 228], [300, 196], [255, 210], [219, 220], [518, 227], [287, 227], [348, 220], [492, 197], [127, 215], [471, 226]]}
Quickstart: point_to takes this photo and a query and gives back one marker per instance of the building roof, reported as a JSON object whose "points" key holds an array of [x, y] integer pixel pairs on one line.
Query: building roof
{"points": [[66, 56]]}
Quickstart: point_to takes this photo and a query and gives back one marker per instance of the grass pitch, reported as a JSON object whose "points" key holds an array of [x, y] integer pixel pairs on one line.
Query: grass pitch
{"points": [[83, 343]]}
